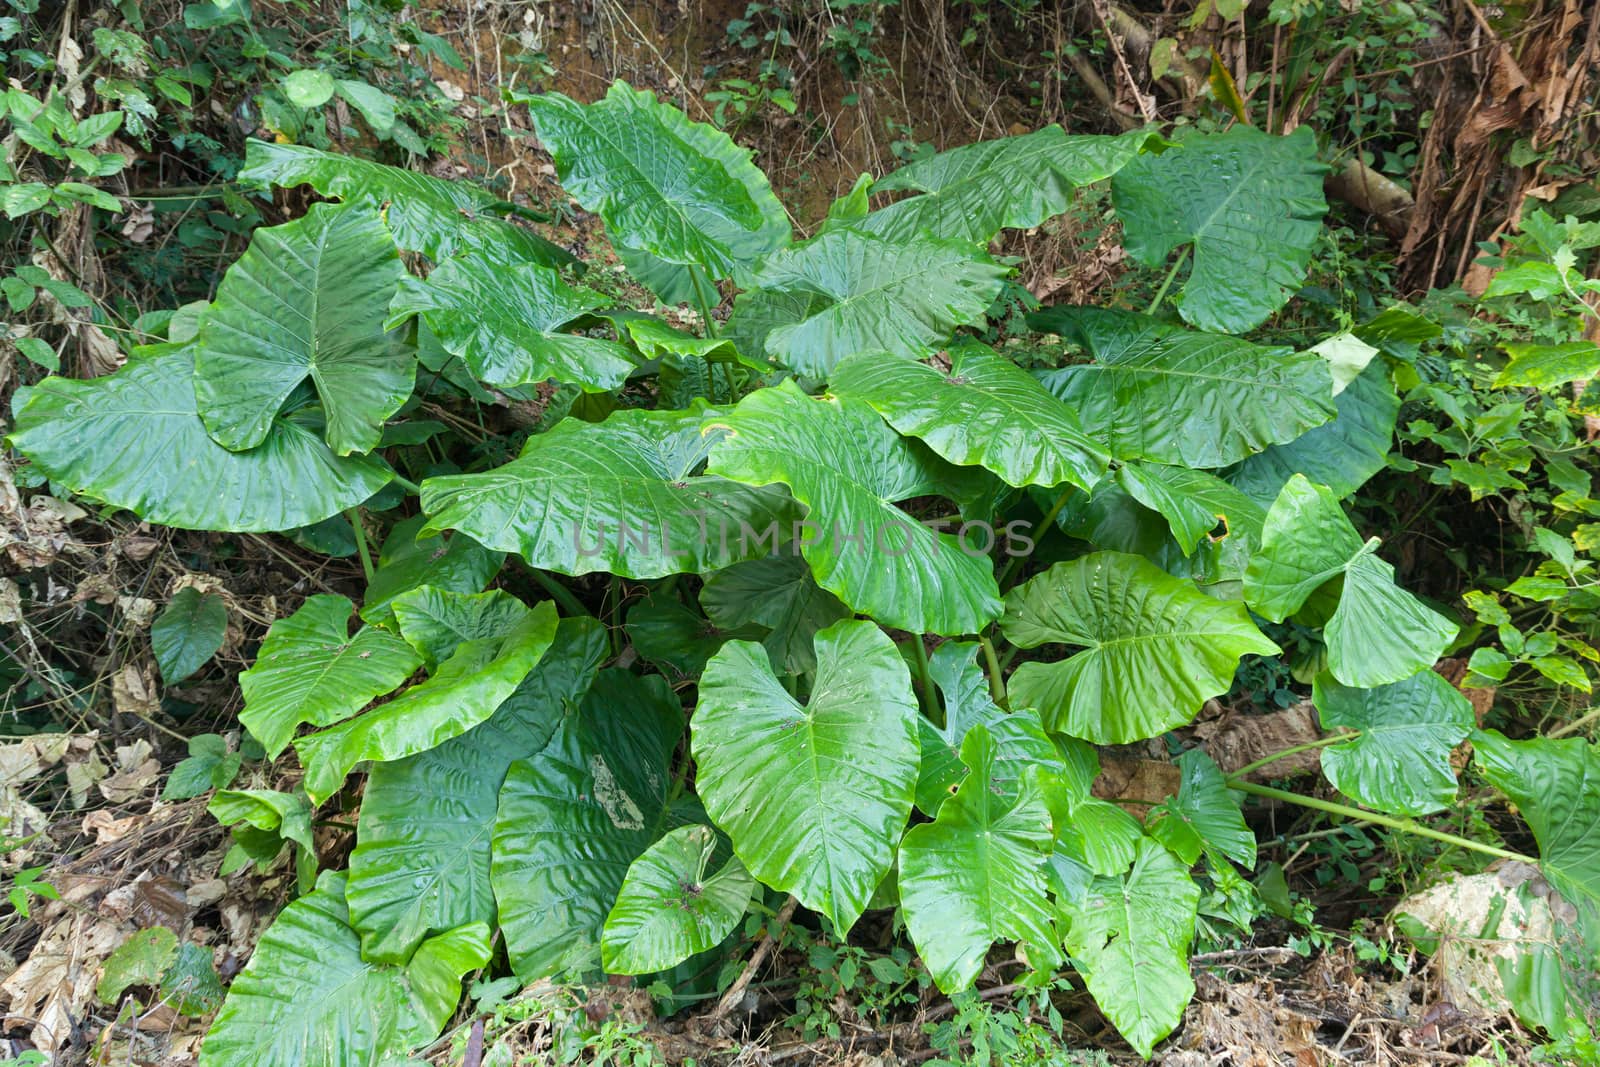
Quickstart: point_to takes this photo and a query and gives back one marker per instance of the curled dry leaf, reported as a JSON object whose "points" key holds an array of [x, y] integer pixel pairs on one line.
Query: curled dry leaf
{"points": [[137, 770]]}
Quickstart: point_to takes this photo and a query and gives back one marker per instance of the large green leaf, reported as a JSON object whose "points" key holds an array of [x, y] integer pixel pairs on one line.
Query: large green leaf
{"points": [[1155, 648], [134, 440], [464, 691], [1249, 202], [978, 874], [1555, 784], [429, 215], [504, 319], [437, 622], [984, 411], [188, 633], [421, 862], [677, 189], [974, 191], [448, 561], [1194, 503], [1130, 938], [306, 301], [814, 796], [310, 669], [1169, 395], [263, 821], [619, 496], [1341, 454], [308, 999], [1379, 633], [1204, 816], [1400, 760], [778, 594], [574, 817], [669, 909], [848, 468], [903, 298]]}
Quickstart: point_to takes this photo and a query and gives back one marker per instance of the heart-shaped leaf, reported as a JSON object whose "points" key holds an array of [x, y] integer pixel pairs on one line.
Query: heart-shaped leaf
{"points": [[984, 411], [1400, 760], [1168, 395], [814, 796], [1204, 816], [133, 439], [306, 301], [978, 874], [669, 908], [1194, 503], [1250, 203], [188, 633], [848, 468]]}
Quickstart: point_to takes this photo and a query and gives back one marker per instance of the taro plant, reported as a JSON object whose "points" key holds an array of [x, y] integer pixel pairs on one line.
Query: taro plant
{"points": [[886, 588]]}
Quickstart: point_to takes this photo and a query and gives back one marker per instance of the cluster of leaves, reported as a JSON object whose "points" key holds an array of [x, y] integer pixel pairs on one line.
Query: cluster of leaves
{"points": [[842, 459]]}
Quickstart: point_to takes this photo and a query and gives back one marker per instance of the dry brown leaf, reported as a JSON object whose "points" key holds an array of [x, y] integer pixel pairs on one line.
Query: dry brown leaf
{"points": [[134, 692], [51, 990], [1236, 740], [106, 828], [136, 771]]}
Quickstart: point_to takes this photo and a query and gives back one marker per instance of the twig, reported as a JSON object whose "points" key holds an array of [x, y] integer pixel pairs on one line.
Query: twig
{"points": [[474, 1056], [735, 992], [1146, 104]]}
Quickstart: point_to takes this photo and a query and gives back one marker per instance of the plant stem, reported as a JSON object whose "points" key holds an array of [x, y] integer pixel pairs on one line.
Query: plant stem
{"points": [[407, 484], [1409, 826], [1049, 517], [559, 593], [1576, 724], [930, 703], [354, 515], [1161, 293], [997, 685], [1321, 742]]}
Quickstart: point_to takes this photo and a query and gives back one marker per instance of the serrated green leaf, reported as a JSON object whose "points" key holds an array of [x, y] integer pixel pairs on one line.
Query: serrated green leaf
{"points": [[308, 999], [312, 670], [1378, 633], [814, 796], [978, 873], [1155, 647], [504, 318], [985, 411], [188, 633], [1130, 936], [1204, 815], [1169, 395], [848, 468], [422, 857], [680, 190], [466, 689], [668, 909], [902, 298], [1400, 760], [779, 595], [573, 818], [618, 496], [133, 439], [974, 191], [1249, 202], [306, 301], [448, 561]]}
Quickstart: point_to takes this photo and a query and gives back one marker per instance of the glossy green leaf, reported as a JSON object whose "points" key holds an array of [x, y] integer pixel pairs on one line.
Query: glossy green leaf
{"points": [[573, 818], [814, 796], [133, 440], [978, 874], [437, 622], [848, 468], [902, 298], [1549, 366], [1194, 503], [308, 999], [505, 318], [1555, 785], [446, 561], [619, 496], [670, 908], [1130, 938], [264, 820], [305, 302], [1399, 762], [1342, 454], [1379, 633], [1168, 395], [680, 190], [188, 633], [312, 670], [1251, 205], [671, 634], [974, 191], [984, 411], [422, 857], [429, 215], [1155, 648], [1204, 816], [464, 691], [779, 595], [209, 765], [308, 88]]}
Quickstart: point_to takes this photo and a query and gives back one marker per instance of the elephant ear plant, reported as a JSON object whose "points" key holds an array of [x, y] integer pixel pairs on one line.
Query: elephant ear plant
{"points": [[824, 490]]}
